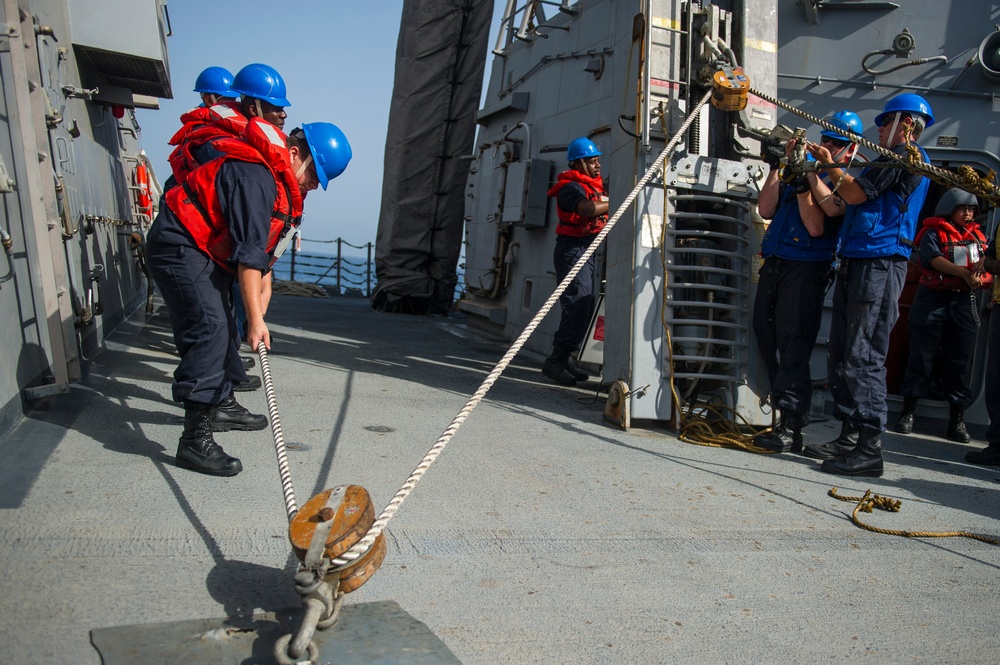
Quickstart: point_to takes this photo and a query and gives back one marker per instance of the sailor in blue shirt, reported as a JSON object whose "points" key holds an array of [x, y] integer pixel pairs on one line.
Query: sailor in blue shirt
{"points": [[877, 236], [798, 250]]}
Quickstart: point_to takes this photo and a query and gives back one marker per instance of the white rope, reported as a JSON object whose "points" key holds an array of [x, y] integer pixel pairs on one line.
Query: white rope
{"points": [[365, 543], [279, 438]]}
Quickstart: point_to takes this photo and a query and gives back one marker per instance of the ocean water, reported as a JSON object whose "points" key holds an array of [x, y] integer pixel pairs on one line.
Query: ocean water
{"points": [[357, 275]]}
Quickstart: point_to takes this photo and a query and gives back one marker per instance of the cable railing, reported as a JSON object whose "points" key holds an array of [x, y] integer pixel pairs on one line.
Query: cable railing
{"points": [[343, 273]]}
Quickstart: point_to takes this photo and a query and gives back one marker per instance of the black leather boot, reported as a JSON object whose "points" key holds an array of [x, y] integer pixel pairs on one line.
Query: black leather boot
{"points": [[839, 447], [864, 460], [248, 362], [555, 368], [905, 423], [253, 383], [956, 425], [785, 437], [578, 373], [197, 450], [229, 415], [989, 456]]}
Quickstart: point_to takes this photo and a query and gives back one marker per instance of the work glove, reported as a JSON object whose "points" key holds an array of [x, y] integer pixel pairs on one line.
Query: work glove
{"points": [[771, 151], [800, 183]]}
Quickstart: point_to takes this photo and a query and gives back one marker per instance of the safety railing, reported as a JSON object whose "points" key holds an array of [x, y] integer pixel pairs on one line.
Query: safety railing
{"points": [[342, 273]]}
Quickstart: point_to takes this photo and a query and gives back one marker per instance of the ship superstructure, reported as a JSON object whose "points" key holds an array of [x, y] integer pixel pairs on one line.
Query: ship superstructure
{"points": [[682, 263], [77, 192]]}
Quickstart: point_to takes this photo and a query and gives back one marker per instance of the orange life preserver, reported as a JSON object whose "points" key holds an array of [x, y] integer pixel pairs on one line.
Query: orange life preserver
{"points": [[570, 223], [143, 198], [195, 202]]}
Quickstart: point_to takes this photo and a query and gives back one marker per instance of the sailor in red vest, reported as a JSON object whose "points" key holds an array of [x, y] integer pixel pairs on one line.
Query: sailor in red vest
{"points": [[262, 95], [582, 208], [944, 317], [230, 220]]}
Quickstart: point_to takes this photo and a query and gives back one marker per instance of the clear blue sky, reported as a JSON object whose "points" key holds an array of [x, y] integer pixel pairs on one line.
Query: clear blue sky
{"points": [[337, 59]]}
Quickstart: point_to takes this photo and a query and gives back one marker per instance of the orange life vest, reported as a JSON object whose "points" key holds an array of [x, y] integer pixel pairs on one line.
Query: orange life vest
{"points": [[962, 247], [200, 125], [572, 223], [196, 205]]}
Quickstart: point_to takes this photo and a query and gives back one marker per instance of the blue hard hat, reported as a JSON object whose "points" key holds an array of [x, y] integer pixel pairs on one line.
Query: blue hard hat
{"points": [[215, 81], [259, 81], [907, 102], [329, 149], [847, 120], [581, 149]]}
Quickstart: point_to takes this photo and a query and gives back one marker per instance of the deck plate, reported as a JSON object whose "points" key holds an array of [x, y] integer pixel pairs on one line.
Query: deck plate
{"points": [[372, 633]]}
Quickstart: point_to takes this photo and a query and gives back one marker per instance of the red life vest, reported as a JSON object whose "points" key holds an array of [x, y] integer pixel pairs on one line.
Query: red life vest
{"points": [[196, 205], [200, 125], [572, 223], [962, 247]]}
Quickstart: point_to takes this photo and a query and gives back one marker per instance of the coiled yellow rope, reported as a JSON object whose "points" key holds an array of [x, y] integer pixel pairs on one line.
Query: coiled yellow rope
{"points": [[868, 502]]}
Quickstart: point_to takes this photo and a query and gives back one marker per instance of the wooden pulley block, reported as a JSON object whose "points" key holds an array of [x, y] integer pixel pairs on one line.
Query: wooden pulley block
{"points": [[361, 570], [344, 514]]}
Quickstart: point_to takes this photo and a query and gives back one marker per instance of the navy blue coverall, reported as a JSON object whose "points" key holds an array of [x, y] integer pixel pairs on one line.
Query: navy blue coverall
{"points": [[577, 302], [943, 324], [788, 308], [198, 293], [866, 306]]}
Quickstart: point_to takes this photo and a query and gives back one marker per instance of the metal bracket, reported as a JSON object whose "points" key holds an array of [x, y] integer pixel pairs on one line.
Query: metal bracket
{"points": [[317, 546], [616, 410], [72, 92], [48, 390], [6, 32]]}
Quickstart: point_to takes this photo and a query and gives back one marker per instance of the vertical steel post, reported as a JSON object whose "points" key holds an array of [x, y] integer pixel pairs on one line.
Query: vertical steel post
{"points": [[368, 268], [340, 242]]}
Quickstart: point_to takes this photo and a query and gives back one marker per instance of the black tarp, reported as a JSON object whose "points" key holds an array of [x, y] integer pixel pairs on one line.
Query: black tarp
{"points": [[440, 59]]}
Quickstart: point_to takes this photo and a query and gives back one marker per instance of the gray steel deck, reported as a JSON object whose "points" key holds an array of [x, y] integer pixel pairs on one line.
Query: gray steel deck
{"points": [[541, 534]]}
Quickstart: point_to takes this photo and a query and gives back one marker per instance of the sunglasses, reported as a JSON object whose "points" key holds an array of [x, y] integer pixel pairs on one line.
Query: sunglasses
{"points": [[836, 143], [886, 121]]}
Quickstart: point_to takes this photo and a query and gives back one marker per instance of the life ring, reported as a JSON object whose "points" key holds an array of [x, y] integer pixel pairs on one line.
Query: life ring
{"points": [[143, 198]]}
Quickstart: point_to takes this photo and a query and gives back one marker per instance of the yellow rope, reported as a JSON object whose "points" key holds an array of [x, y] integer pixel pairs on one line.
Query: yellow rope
{"points": [[713, 429], [868, 502], [965, 178]]}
